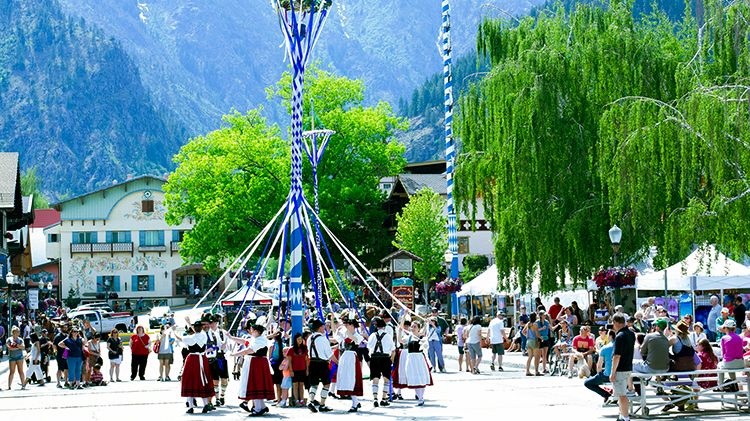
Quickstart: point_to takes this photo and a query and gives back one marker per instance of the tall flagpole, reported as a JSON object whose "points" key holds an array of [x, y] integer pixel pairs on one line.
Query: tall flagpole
{"points": [[450, 145], [301, 23]]}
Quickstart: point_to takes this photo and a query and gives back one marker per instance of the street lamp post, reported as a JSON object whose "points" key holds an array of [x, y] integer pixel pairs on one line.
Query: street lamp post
{"points": [[10, 279], [615, 235]]}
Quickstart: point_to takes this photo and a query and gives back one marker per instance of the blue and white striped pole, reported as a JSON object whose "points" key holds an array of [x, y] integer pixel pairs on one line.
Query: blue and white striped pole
{"points": [[450, 146], [301, 29]]}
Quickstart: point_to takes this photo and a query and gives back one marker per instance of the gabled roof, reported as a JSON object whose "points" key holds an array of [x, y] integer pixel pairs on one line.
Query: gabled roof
{"points": [[400, 253], [56, 206], [45, 217], [10, 183], [414, 182]]}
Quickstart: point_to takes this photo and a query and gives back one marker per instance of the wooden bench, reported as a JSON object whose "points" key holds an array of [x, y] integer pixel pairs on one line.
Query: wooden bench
{"points": [[660, 390]]}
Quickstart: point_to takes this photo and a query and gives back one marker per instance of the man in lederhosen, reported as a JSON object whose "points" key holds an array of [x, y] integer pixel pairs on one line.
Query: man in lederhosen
{"points": [[215, 351], [381, 348], [320, 353]]}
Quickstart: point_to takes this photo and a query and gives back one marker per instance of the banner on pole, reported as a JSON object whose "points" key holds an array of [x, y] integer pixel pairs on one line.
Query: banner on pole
{"points": [[34, 299]]}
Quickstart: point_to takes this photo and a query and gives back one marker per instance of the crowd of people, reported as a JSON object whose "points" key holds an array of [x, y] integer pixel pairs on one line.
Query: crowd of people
{"points": [[649, 342]]}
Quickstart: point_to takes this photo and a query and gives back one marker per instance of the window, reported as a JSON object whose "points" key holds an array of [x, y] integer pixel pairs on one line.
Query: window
{"points": [[147, 205], [386, 186], [84, 237], [178, 236], [143, 283], [118, 237], [53, 238], [463, 245], [152, 238], [107, 283]]}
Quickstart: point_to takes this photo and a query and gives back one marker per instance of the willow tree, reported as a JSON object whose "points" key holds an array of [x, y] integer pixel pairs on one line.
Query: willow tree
{"points": [[679, 166], [530, 133]]}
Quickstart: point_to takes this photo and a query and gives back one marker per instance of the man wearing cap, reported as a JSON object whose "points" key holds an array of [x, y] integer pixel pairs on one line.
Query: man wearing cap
{"points": [[216, 353], [382, 348], [731, 351], [497, 340], [714, 314], [435, 332], [320, 353], [720, 322], [654, 351]]}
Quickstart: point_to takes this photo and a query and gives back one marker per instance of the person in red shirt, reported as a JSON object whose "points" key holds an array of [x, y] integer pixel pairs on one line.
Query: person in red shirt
{"points": [[297, 356], [555, 309], [583, 348], [139, 349]]}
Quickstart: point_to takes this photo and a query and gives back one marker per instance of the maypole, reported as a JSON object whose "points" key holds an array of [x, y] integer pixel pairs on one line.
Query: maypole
{"points": [[301, 22], [450, 145]]}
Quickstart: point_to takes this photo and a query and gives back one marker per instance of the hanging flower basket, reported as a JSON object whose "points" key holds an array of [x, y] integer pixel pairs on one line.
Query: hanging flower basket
{"points": [[617, 277], [449, 286], [305, 5]]}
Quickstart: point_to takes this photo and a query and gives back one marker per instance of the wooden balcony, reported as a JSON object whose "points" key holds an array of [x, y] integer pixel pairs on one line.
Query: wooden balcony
{"points": [[91, 248]]}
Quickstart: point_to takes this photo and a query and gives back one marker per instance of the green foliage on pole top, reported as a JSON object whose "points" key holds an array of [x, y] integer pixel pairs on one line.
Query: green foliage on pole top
{"points": [[306, 5], [591, 118], [422, 230], [233, 180]]}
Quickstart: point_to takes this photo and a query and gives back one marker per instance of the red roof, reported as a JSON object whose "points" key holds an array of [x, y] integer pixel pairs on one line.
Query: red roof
{"points": [[45, 217]]}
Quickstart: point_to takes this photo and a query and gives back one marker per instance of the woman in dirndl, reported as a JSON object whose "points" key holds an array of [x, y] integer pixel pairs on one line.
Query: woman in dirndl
{"points": [[256, 380], [349, 374], [196, 375], [417, 369], [399, 360]]}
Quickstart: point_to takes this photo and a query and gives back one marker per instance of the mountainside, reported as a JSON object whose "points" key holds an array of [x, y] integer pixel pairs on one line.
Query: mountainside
{"points": [[72, 102], [202, 58]]}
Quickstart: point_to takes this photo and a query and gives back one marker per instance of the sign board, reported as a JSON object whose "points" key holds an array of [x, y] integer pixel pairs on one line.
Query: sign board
{"points": [[34, 299], [403, 290], [401, 265]]}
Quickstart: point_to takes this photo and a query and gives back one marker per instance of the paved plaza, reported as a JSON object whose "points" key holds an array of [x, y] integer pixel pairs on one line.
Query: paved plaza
{"points": [[454, 396]]}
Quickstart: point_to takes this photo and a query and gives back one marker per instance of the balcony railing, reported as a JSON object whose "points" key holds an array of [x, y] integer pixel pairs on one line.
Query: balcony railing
{"points": [[152, 248], [174, 247], [110, 248]]}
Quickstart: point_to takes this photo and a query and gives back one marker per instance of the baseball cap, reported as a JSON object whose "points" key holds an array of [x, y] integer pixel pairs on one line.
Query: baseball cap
{"points": [[725, 310], [729, 324], [661, 324]]}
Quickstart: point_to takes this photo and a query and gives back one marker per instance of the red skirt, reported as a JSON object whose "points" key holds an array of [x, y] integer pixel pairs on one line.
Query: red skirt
{"points": [[394, 372], [358, 389], [333, 367], [259, 380], [195, 385]]}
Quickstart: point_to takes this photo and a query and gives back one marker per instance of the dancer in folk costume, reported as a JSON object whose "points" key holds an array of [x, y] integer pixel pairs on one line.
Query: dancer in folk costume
{"points": [[399, 362], [256, 382], [381, 347], [418, 374], [349, 376], [320, 355], [216, 354], [196, 375]]}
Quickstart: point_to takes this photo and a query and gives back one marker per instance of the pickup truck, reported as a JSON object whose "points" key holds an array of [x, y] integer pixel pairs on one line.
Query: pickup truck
{"points": [[103, 321]]}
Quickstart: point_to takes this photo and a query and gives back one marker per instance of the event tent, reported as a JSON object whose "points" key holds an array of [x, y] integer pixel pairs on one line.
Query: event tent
{"points": [[704, 269], [253, 296], [484, 284]]}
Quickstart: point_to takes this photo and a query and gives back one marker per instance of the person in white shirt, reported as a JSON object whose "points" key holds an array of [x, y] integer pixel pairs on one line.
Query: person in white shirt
{"points": [[697, 334], [195, 374], [349, 375], [320, 352], [217, 339], [381, 347], [256, 383], [497, 340], [474, 345], [435, 345]]}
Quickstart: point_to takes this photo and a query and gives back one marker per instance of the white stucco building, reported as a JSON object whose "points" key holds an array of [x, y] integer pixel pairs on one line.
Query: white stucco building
{"points": [[116, 240]]}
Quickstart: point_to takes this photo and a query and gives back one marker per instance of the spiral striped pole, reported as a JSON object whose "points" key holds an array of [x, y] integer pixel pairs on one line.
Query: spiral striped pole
{"points": [[450, 145], [301, 29]]}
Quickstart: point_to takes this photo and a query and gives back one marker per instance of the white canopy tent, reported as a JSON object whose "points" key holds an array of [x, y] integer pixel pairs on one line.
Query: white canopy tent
{"points": [[484, 284], [251, 295], [704, 269]]}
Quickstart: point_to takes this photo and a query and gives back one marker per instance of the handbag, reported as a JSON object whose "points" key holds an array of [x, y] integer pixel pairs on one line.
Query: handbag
{"points": [[65, 354], [156, 347]]}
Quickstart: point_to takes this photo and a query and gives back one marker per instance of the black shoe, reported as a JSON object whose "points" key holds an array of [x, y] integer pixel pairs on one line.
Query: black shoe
{"points": [[352, 409], [132, 379], [384, 403], [221, 400], [167, 379], [359, 405], [206, 409], [323, 408], [400, 397], [190, 411], [375, 404], [312, 408], [218, 403], [244, 406], [211, 407], [142, 378]]}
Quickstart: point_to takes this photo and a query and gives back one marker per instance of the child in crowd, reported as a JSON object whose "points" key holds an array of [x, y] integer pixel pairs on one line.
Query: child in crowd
{"points": [[97, 378], [286, 382]]}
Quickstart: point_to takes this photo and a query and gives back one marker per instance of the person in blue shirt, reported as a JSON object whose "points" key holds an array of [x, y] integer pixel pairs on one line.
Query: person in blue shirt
{"points": [[603, 369]]}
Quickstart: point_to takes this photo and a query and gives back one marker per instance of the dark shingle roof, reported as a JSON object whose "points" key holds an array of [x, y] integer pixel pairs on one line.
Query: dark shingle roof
{"points": [[8, 179], [414, 182]]}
